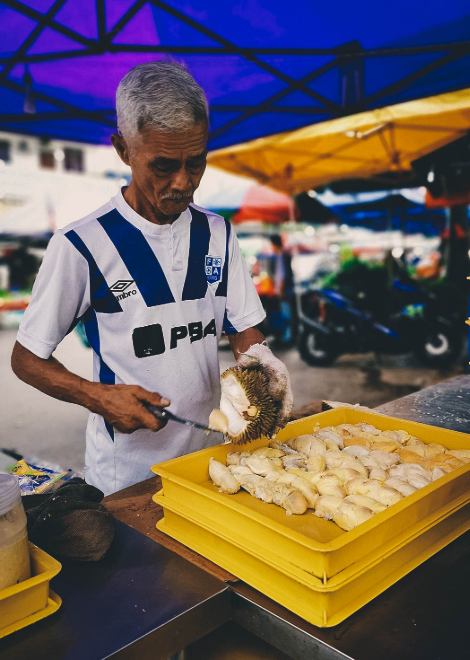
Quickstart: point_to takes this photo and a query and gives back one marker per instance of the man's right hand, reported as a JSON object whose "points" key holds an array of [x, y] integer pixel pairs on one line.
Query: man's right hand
{"points": [[125, 406]]}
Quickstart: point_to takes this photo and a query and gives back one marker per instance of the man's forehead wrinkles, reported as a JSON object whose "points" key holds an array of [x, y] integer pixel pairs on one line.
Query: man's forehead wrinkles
{"points": [[172, 160]]}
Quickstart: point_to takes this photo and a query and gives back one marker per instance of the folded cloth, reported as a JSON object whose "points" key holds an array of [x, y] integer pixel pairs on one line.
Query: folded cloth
{"points": [[71, 523]]}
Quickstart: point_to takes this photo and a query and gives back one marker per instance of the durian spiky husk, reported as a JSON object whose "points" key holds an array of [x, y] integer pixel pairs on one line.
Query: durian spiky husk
{"points": [[251, 411]]}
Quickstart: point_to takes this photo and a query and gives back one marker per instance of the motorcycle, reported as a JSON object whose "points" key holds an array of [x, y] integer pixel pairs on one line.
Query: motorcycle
{"points": [[405, 318]]}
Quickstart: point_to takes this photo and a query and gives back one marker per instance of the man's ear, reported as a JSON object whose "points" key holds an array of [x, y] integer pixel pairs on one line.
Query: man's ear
{"points": [[120, 145]]}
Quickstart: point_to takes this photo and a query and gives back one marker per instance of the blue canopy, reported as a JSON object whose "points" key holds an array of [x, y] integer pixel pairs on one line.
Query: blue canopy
{"points": [[267, 65]]}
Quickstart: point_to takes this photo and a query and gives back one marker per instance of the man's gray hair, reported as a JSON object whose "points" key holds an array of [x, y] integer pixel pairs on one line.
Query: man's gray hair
{"points": [[160, 95]]}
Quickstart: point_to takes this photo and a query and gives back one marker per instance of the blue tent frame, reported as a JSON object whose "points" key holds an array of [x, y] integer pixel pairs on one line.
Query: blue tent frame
{"points": [[294, 70]]}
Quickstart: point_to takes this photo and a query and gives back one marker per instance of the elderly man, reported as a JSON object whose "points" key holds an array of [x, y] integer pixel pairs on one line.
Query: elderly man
{"points": [[155, 280]]}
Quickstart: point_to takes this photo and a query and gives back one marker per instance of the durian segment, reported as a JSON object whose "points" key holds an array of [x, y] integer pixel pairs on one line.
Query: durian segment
{"points": [[246, 402], [300, 484], [316, 463], [296, 460], [303, 443], [379, 474], [327, 505], [262, 465], [437, 473], [328, 484], [338, 459], [331, 436], [461, 454], [268, 452], [344, 474], [401, 486], [385, 445], [348, 515], [269, 490], [368, 502], [384, 459], [358, 451], [257, 487], [374, 489], [222, 477], [290, 499], [235, 457], [356, 441], [218, 421]]}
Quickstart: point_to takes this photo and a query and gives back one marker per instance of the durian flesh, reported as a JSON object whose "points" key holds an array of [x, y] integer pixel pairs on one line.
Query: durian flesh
{"points": [[247, 410]]}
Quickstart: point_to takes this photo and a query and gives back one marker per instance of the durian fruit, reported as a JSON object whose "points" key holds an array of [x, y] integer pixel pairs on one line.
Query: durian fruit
{"points": [[348, 515], [251, 411], [223, 477]]}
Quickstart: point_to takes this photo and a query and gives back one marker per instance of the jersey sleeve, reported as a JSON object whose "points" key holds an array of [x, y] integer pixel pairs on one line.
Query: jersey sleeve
{"points": [[59, 298], [243, 308]]}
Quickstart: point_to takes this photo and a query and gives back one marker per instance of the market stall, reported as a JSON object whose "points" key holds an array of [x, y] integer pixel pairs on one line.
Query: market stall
{"points": [[153, 597]]}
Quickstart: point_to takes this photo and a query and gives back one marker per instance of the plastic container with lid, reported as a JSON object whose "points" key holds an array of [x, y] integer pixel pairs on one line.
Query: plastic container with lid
{"points": [[14, 549]]}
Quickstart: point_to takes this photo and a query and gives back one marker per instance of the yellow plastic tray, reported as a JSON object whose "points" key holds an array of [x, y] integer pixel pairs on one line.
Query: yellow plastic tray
{"points": [[300, 592], [314, 545], [31, 600]]}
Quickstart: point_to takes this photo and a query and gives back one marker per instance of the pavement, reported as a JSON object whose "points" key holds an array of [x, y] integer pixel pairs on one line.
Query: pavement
{"points": [[36, 425]]}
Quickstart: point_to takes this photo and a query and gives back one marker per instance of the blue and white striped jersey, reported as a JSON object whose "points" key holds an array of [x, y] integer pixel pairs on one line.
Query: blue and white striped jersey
{"points": [[154, 300]]}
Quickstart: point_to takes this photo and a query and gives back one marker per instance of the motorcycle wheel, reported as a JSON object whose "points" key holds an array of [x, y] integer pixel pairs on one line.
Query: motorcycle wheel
{"points": [[439, 348], [316, 349]]}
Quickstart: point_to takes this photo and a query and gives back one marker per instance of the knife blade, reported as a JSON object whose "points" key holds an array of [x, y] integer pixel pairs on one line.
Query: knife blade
{"points": [[164, 414]]}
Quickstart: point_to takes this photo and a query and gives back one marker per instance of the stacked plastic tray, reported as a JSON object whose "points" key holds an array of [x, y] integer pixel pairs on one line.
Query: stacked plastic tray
{"points": [[305, 563], [31, 600]]}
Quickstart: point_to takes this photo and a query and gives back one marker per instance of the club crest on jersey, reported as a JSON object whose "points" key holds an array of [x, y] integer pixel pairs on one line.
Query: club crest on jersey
{"points": [[213, 268]]}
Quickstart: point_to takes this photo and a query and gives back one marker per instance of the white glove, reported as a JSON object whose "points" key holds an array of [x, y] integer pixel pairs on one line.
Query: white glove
{"points": [[279, 379]]}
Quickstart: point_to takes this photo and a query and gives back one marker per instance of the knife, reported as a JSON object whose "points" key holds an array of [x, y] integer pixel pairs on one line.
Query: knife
{"points": [[164, 414]]}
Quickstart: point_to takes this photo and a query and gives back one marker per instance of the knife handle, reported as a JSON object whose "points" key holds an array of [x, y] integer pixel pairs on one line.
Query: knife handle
{"points": [[160, 413]]}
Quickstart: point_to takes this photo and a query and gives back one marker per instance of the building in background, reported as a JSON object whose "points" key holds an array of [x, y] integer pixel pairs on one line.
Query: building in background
{"points": [[45, 184]]}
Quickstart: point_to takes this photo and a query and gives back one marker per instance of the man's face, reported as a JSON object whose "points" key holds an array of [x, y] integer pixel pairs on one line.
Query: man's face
{"points": [[166, 167]]}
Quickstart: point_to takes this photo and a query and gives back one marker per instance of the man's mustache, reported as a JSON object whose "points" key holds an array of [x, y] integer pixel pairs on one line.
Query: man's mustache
{"points": [[178, 197]]}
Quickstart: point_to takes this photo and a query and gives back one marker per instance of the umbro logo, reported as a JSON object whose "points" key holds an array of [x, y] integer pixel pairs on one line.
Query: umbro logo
{"points": [[121, 285]]}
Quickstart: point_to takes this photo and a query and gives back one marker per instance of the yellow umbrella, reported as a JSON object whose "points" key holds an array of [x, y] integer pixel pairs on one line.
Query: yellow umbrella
{"points": [[361, 145]]}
